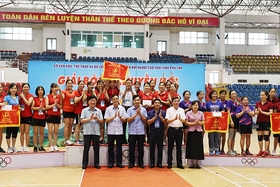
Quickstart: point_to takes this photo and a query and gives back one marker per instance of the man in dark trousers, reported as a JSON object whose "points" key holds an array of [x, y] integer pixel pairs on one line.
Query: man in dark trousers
{"points": [[156, 121]]}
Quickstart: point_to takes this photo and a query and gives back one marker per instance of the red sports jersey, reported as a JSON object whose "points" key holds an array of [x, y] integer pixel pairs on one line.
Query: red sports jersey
{"points": [[164, 97], [79, 106], [36, 113], [101, 103], [27, 112], [68, 102], [53, 111]]}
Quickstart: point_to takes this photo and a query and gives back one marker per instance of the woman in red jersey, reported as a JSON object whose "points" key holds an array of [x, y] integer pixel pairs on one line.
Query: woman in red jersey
{"points": [[137, 86], [53, 107], [173, 93], [90, 87], [162, 95], [39, 118], [80, 104], [102, 98], [2, 95], [25, 102], [263, 109], [113, 89], [272, 98], [68, 107], [152, 86]]}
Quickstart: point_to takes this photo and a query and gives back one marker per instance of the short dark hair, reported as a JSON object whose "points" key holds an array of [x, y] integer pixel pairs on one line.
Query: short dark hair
{"points": [[175, 98], [135, 96], [53, 85], [157, 100], [91, 97], [10, 86], [186, 92], [68, 81], [23, 84], [195, 101], [199, 92], [114, 95], [37, 90], [210, 94]]}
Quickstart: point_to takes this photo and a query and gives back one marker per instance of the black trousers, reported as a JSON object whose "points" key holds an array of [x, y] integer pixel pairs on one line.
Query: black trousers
{"points": [[95, 143], [156, 137], [11, 131], [111, 139], [140, 145], [175, 134]]}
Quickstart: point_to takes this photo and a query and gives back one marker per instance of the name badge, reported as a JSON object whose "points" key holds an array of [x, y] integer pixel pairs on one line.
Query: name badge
{"points": [[40, 112], [85, 103], [157, 124], [54, 109], [71, 101], [22, 107], [102, 103], [127, 101]]}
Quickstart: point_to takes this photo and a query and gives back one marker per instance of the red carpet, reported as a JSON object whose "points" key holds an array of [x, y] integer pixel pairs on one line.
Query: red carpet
{"points": [[135, 177]]}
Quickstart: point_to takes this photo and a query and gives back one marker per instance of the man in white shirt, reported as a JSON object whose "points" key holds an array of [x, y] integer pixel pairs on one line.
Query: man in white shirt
{"points": [[175, 118], [127, 102], [115, 116]]}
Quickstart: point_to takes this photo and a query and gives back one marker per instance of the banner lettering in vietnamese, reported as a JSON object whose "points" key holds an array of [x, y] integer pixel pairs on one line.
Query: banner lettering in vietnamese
{"points": [[10, 118], [275, 123], [216, 124]]}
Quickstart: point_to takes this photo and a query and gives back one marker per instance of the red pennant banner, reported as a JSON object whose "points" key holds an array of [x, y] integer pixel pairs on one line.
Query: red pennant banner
{"points": [[10, 118], [275, 123], [216, 124], [114, 71]]}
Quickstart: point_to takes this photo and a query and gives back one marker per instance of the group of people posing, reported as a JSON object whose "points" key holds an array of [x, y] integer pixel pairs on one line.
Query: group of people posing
{"points": [[155, 117]]}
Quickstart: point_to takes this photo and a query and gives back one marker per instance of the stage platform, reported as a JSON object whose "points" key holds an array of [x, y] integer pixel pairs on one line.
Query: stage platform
{"points": [[72, 156]]}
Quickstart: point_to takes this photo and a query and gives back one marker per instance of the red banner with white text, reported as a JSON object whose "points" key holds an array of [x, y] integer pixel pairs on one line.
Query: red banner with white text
{"points": [[275, 123], [10, 117], [216, 123], [34, 17]]}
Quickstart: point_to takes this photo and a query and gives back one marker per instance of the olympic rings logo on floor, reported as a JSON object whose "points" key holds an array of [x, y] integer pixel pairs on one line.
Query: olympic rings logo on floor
{"points": [[125, 154], [5, 161], [249, 161]]}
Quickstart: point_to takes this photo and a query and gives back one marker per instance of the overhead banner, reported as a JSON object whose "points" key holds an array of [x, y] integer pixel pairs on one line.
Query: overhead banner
{"points": [[216, 123], [43, 73], [275, 123], [34, 17], [10, 116]]}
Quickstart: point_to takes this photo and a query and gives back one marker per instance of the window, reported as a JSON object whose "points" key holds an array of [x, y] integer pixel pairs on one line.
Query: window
{"points": [[16, 33], [107, 39], [51, 44], [235, 38], [194, 37], [262, 39], [214, 77]]}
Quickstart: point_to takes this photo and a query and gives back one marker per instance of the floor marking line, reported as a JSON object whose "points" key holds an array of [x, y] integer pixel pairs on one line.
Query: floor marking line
{"points": [[81, 180], [221, 176], [11, 185], [243, 176]]}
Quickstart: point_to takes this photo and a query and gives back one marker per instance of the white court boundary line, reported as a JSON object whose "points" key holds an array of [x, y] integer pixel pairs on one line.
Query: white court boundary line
{"points": [[221, 176], [82, 176], [38, 185], [243, 176]]}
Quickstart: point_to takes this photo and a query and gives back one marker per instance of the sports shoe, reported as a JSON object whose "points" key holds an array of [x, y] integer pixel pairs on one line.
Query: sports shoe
{"points": [[217, 153], [25, 149], [14, 149], [235, 152], [21, 149], [232, 153], [211, 153], [42, 149], [10, 150], [51, 149], [78, 142], [2, 150], [273, 153], [68, 142], [55, 148], [35, 149], [248, 152], [265, 154], [260, 153]]}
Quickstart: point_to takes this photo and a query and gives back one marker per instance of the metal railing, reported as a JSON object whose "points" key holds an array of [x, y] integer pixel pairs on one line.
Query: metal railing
{"points": [[17, 63]]}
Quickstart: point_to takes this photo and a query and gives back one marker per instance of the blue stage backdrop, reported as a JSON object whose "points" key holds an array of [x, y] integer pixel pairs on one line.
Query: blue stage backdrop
{"points": [[190, 76]]}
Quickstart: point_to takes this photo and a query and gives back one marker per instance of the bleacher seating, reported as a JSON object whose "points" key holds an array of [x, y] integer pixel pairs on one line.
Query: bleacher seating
{"points": [[7, 84], [165, 58], [101, 59], [8, 54], [48, 56], [254, 64], [208, 58]]}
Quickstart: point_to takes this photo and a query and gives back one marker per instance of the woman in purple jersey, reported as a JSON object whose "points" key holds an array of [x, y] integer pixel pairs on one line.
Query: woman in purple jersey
{"points": [[234, 124], [222, 99], [244, 113], [186, 105]]}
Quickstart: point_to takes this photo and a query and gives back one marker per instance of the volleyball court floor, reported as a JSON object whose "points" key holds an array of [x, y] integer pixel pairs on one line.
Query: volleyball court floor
{"points": [[206, 176]]}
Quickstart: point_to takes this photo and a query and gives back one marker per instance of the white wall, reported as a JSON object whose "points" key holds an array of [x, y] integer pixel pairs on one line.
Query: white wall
{"points": [[210, 68], [159, 35], [54, 31], [9, 75], [254, 79]]}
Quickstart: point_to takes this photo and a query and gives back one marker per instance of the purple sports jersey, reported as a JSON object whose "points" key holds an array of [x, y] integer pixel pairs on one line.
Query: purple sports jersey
{"points": [[214, 107], [185, 105], [245, 119], [232, 106], [202, 106], [224, 103]]}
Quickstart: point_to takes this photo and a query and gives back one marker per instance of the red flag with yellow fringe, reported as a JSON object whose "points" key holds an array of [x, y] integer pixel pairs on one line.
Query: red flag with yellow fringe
{"points": [[215, 123], [275, 123], [10, 117], [114, 71]]}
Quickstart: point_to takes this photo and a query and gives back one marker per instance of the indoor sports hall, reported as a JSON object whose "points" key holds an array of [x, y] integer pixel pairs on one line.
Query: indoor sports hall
{"points": [[205, 46]]}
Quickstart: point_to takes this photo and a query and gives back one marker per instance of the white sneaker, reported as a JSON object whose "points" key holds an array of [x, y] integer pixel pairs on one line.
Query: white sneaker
{"points": [[273, 153], [69, 142], [21, 149], [10, 150], [51, 149], [55, 148], [25, 149], [14, 149]]}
